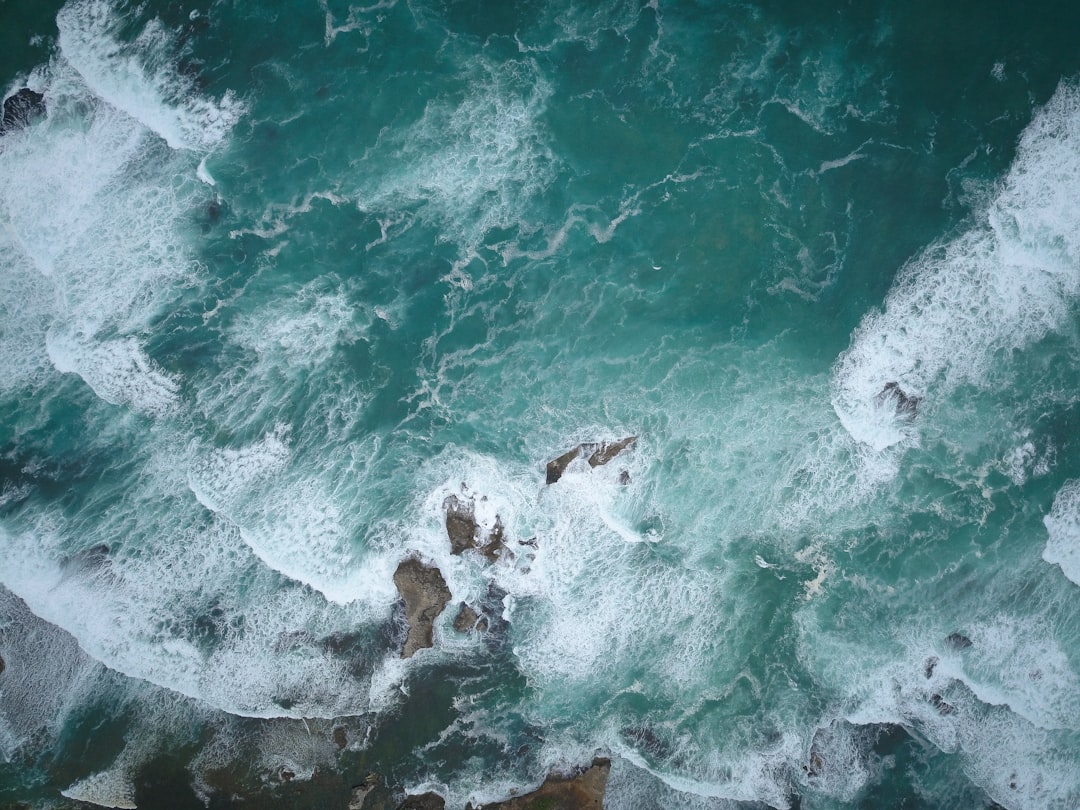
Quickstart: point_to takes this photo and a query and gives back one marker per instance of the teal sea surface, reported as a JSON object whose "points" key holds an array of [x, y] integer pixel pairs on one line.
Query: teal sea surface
{"points": [[280, 281]]}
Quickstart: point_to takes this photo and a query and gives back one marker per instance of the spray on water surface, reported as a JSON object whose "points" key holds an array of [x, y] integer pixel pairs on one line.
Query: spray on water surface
{"points": [[282, 283]]}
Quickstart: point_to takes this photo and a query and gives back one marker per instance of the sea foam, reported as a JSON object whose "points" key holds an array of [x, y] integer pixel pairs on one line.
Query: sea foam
{"points": [[964, 305], [1063, 527], [138, 78]]}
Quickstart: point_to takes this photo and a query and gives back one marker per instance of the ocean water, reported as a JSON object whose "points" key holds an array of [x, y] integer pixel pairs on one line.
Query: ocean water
{"points": [[277, 279]]}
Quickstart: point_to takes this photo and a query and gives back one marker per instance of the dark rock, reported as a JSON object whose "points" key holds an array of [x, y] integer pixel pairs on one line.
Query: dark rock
{"points": [[341, 739], [360, 792], [2, 665], [95, 558], [425, 593], [585, 791], [624, 477], [928, 667], [816, 766], [598, 453], [907, 407], [287, 775], [22, 109], [425, 801], [957, 641], [939, 703]]}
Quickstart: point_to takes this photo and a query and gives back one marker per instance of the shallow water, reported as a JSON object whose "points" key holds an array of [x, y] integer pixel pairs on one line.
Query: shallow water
{"points": [[274, 283]]}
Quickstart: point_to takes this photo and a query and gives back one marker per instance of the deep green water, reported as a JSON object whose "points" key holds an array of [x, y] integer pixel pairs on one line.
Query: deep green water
{"points": [[277, 279]]}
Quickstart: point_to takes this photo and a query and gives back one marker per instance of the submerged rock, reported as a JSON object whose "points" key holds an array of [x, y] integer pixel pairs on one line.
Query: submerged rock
{"points": [[582, 792], [645, 740], [425, 593], [21, 109], [907, 407], [340, 737], [2, 665], [598, 453], [957, 641]]}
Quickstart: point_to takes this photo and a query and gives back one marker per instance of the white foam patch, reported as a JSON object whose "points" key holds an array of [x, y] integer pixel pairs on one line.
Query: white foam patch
{"points": [[962, 305], [1005, 706], [139, 77], [118, 371], [1063, 527], [109, 788], [180, 601], [1020, 664], [95, 212], [471, 165], [293, 522], [304, 330]]}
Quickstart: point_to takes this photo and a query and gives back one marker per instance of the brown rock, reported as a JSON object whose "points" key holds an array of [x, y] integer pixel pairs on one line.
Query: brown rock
{"points": [[598, 453], [425, 593], [465, 619], [340, 737], [608, 450], [464, 531], [461, 524], [582, 792], [496, 546]]}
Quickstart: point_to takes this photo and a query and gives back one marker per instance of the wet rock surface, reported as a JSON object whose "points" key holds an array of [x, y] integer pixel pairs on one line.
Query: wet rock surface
{"points": [[597, 453], [906, 406], [957, 641], [465, 532], [468, 619], [360, 793], [585, 791], [425, 593], [21, 110], [424, 801]]}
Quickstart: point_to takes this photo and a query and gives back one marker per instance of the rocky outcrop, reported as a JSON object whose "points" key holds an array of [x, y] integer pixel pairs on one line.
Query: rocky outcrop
{"points": [[584, 791], [465, 532], [468, 619], [424, 801], [21, 109], [598, 454], [360, 792], [907, 407], [957, 641], [425, 593], [2, 665]]}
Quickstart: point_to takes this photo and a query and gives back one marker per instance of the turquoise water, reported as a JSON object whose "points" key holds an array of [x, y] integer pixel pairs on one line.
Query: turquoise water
{"points": [[275, 282]]}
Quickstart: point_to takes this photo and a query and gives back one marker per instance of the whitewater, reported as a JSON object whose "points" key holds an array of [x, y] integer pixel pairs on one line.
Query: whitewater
{"points": [[287, 293]]}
